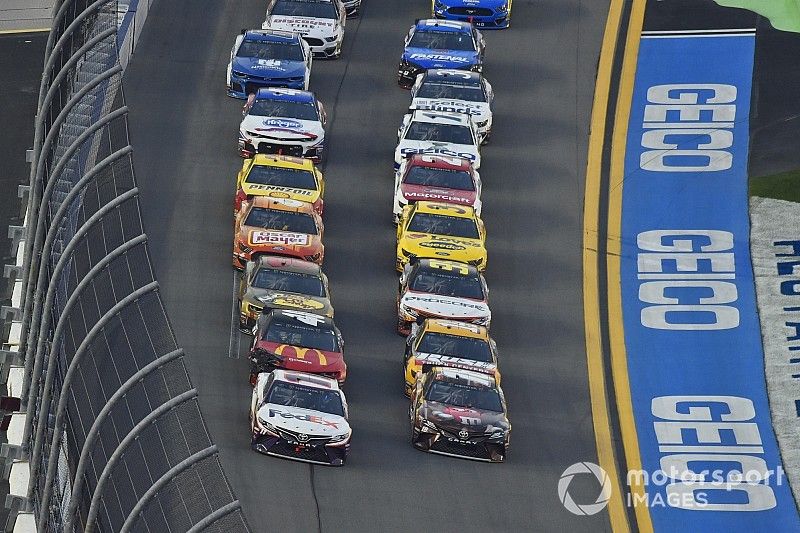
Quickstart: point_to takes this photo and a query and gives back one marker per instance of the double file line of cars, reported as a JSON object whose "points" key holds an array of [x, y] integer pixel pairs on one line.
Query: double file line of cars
{"points": [[297, 366], [450, 365]]}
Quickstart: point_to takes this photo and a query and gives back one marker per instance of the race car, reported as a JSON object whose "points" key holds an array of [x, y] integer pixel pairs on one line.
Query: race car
{"points": [[275, 282], [267, 59], [296, 340], [279, 176], [461, 413], [456, 91], [441, 289], [432, 44], [283, 121], [486, 14], [440, 231], [299, 416], [436, 178], [320, 22], [437, 133], [352, 7], [448, 343], [277, 226]]}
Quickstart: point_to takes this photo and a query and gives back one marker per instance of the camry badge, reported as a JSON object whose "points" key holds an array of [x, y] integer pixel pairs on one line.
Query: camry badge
{"points": [[463, 434], [302, 437]]}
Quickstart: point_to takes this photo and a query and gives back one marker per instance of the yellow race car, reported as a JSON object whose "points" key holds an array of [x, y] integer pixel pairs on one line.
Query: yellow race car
{"points": [[440, 231], [448, 343], [280, 176]]}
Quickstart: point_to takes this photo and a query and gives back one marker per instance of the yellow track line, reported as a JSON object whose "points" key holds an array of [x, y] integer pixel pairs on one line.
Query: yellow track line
{"points": [[619, 361], [30, 30], [591, 297]]}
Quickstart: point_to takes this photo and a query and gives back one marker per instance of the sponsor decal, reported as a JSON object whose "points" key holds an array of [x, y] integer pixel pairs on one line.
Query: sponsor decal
{"points": [[435, 358], [275, 191], [440, 57], [442, 245], [435, 300], [299, 353], [448, 106], [314, 419], [442, 196], [293, 300], [282, 123], [437, 150], [264, 64], [277, 237]]}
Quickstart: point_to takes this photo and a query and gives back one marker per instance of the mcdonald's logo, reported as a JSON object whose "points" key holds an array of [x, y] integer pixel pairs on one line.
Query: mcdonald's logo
{"points": [[300, 353]]}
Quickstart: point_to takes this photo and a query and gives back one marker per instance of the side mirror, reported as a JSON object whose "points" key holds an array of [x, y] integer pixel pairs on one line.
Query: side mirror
{"points": [[426, 368]]}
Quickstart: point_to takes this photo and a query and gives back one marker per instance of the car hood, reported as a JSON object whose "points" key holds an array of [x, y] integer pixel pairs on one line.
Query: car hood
{"points": [[429, 59], [491, 4], [306, 26], [267, 239], [414, 193], [454, 362], [304, 359], [454, 419], [303, 421], [269, 68], [275, 191], [445, 306], [273, 299], [479, 111], [407, 148], [442, 247], [288, 129]]}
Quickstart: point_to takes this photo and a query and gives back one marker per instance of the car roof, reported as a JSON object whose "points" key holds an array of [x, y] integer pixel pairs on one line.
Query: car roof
{"points": [[441, 117], [453, 267], [443, 25], [302, 378], [437, 161], [289, 264], [272, 36], [466, 377], [440, 208], [283, 204], [306, 318], [464, 76], [454, 327], [284, 161], [285, 95]]}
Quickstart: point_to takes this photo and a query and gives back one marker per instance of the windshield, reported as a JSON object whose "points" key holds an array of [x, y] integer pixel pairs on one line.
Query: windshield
{"points": [[440, 177], [284, 109], [452, 91], [313, 398], [260, 217], [270, 50], [449, 133], [443, 283], [281, 177], [294, 282], [442, 40], [455, 346], [459, 395], [295, 333], [305, 8], [443, 225]]}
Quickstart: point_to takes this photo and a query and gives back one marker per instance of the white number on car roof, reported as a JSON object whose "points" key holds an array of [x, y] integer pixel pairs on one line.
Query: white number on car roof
{"points": [[464, 75], [288, 92], [306, 318], [445, 23], [455, 161]]}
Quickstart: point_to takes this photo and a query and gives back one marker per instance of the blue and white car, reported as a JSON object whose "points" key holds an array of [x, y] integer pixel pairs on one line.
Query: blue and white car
{"points": [[267, 58], [485, 14], [283, 121], [434, 44]]}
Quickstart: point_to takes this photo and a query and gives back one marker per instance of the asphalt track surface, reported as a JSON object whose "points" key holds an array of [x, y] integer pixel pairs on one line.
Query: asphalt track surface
{"points": [[183, 129]]}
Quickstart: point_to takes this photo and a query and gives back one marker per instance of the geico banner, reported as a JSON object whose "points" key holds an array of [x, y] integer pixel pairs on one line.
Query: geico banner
{"points": [[691, 328]]}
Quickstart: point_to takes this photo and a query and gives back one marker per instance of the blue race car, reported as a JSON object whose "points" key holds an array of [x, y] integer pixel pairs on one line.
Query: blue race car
{"points": [[432, 43], [485, 14], [268, 58]]}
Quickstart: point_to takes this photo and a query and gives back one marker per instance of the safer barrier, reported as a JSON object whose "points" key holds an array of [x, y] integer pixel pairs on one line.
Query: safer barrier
{"points": [[113, 432]]}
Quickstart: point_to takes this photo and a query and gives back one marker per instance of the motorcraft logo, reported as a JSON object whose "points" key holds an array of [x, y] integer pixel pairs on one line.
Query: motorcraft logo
{"points": [[442, 245], [282, 123], [277, 237], [440, 57], [436, 196], [273, 413]]}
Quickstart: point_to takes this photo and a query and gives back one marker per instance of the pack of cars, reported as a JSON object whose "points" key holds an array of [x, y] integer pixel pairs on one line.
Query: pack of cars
{"points": [[297, 365], [450, 364]]}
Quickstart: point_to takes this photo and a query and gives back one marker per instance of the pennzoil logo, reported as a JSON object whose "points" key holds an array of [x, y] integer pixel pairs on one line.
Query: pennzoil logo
{"points": [[442, 245], [299, 353]]}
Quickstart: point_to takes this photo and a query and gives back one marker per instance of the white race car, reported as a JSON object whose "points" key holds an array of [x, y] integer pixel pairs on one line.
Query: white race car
{"points": [[299, 416], [456, 91], [283, 121], [437, 133], [320, 22]]}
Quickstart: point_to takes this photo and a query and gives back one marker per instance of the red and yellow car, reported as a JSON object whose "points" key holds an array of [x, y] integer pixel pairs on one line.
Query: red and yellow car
{"points": [[277, 226], [280, 176]]}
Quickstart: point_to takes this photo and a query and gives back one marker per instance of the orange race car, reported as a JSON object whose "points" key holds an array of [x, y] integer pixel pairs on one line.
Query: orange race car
{"points": [[277, 226]]}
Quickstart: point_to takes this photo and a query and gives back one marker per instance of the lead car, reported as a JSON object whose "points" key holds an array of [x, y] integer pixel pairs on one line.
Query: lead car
{"points": [[300, 416]]}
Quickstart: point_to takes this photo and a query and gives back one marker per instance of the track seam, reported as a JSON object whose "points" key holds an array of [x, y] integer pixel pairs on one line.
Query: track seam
{"points": [[314, 495]]}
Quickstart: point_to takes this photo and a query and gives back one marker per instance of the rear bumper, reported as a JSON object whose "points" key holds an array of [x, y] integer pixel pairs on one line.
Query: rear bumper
{"points": [[496, 21], [240, 87], [248, 148]]}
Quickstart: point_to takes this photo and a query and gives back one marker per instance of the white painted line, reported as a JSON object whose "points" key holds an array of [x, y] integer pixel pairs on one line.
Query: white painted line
{"points": [[701, 275], [235, 342], [730, 30], [711, 449], [691, 36]]}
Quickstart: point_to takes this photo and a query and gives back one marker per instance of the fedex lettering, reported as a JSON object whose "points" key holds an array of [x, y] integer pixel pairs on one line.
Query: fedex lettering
{"points": [[684, 273], [307, 418], [705, 434], [688, 128]]}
